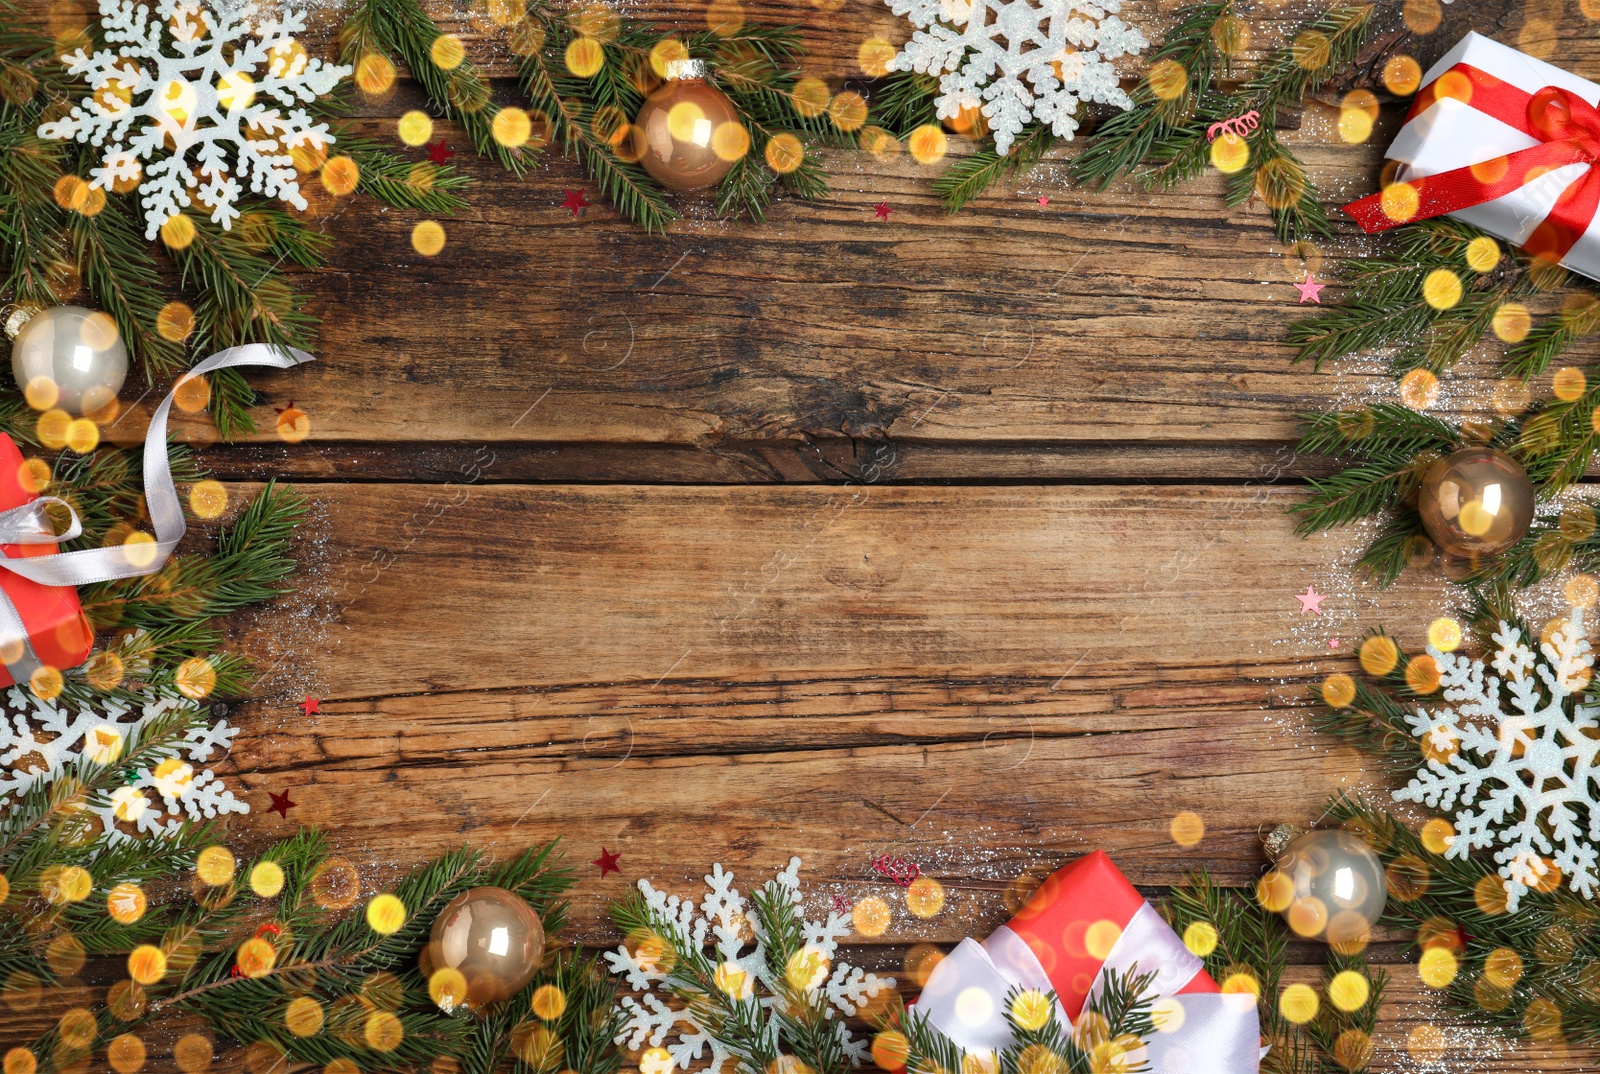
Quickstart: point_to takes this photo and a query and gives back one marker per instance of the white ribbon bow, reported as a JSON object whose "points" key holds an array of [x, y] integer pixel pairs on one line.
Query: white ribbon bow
{"points": [[30, 524]]}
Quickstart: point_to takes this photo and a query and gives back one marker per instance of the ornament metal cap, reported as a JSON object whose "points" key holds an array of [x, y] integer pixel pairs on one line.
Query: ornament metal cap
{"points": [[1277, 841], [681, 70]]}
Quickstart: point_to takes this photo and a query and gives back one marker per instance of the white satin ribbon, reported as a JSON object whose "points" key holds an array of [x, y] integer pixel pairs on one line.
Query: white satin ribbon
{"points": [[1199, 1033], [28, 523]]}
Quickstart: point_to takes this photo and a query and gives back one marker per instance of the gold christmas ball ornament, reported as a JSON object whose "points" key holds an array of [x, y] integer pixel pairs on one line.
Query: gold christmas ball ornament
{"points": [[1328, 884], [489, 937], [1476, 502], [690, 131]]}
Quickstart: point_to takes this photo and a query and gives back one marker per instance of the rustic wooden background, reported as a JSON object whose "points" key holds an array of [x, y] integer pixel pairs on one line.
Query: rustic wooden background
{"points": [[961, 538]]}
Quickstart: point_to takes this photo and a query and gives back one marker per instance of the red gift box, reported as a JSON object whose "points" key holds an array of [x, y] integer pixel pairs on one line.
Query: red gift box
{"points": [[1084, 921], [57, 628]]}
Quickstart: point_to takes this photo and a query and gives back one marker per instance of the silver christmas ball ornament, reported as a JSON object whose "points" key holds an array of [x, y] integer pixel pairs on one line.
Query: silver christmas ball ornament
{"points": [[69, 357]]}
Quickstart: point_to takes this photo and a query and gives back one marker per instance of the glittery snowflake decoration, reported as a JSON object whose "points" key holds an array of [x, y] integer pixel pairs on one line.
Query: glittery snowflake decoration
{"points": [[41, 740], [1522, 778], [729, 931], [195, 90], [1021, 61]]}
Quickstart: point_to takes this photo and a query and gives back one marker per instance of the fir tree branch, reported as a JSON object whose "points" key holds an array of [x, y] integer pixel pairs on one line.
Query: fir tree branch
{"points": [[970, 176]]}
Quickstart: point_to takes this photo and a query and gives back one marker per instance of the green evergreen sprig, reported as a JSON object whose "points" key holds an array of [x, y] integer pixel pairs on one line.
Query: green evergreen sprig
{"points": [[327, 954], [1162, 140], [1530, 974], [1122, 1008], [1253, 942]]}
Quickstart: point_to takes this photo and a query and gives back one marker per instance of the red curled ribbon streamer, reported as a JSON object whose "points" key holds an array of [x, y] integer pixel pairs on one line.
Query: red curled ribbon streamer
{"points": [[1568, 128]]}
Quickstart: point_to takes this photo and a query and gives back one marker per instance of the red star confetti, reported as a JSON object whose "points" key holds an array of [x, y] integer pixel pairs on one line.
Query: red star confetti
{"points": [[575, 201], [883, 210], [1311, 601], [607, 862], [440, 153], [311, 706], [286, 409], [842, 904], [1310, 291], [281, 804]]}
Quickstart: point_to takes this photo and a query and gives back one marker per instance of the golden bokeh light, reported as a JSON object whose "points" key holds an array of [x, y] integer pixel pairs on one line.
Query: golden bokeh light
{"points": [[304, 1016], [928, 143], [891, 1049], [1402, 75], [1031, 1009], [1437, 967], [83, 435], [1423, 16], [1168, 80], [585, 56], [1187, 828], [1502, 967], [195, 678], [1230, 153], [1422, 674], [178, 232], [126, 903], [1299, 1004], [1348, 990], [1241, 980], [810, 97], [214, 865], [1201, 938], [1442, 289], [1275, 891], [375, 74], [427, 238], [1444, 634], [415, 128], [1400, 202], [848, 110], [1436, 835], [383, 1031], [925, 897], [46, 682], [193, 1053], [1568, 383], [256, 957], [1338, 690], [1311, 49], [1231, 35], [549, 1002], [447, 988], [208, 499], [784, 153], [874, 56], [42, 393], [175, 322], [730, 141], [1419, 389], [724, 17], [1512, 322], [147, 964], [125, 1054], [447, 52], [340, 176], [385, 914], [335, 885]]}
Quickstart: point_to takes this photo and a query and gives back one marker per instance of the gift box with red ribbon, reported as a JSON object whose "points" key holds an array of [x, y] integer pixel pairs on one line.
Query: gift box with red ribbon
{"points": [[1084, 921], [58, 632], [1504, 142]]}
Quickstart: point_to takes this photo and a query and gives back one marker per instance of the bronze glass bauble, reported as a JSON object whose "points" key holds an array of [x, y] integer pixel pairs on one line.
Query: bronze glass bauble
{"points": [[1336, 886], [679, 124], [492, 938], [1476, 502]]}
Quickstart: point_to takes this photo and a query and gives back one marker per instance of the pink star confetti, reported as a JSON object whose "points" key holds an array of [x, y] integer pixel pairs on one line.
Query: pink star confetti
{"points": [[1333, 643], [1310, 291], [883, 210], [1043, 200], [1311, 601]]}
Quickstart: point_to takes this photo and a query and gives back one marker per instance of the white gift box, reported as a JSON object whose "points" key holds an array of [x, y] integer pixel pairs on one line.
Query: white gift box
{"points": [[1450, 134]]}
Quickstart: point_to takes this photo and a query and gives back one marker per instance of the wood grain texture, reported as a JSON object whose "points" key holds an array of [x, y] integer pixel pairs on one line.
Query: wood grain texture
{"points": [[961, 537]]}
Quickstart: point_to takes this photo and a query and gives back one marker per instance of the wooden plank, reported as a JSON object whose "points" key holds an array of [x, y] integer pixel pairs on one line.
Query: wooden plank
{"points": [[1121, 316], [992, 679]]}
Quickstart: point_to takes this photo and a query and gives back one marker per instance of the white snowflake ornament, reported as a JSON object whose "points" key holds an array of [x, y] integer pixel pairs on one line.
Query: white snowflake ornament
{"points": [[207, 96], [724, 921], [1524, 779], [40, 740], [1020, 61]]}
